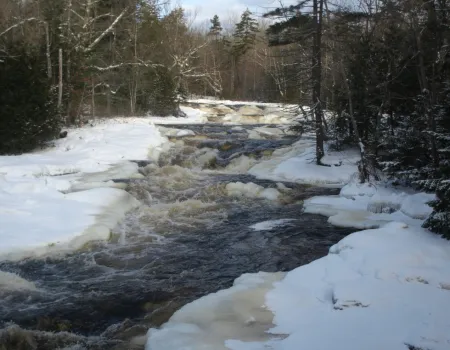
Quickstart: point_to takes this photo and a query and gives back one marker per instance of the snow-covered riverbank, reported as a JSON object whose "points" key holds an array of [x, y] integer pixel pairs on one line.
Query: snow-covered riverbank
{"points": [[387, 287], [62, 197], [383, 288]]}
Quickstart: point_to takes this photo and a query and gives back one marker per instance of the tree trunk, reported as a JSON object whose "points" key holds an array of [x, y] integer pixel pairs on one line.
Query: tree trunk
{"points": [[429, 99], [366, 166], [108, 100], [92, 98], [49, 59], [60, 87], [69, 61], [316, 78]]}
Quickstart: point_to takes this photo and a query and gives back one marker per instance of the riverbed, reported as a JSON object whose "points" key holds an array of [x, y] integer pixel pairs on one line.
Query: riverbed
{"points": [[189, 237]]}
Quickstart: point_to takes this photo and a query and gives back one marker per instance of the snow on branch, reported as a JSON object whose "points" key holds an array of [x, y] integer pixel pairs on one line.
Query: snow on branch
{"points": [[120, 65], [19, 24], [107, 31]]}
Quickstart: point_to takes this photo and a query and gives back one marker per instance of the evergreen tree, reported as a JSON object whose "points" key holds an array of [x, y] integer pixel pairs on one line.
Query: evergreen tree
{"points": [[28, 112], [245, 34], [305, 29], [216, 27], [439, 220]]}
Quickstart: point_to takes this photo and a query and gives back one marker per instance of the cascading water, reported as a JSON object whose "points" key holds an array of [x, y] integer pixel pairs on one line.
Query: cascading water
{"points": [[191, 236]]}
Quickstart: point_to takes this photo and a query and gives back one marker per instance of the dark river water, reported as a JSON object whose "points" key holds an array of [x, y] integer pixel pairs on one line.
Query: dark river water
{"points": [[187, 239]]}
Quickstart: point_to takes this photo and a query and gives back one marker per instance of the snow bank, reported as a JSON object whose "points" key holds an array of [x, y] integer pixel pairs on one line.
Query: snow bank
{"points": [[89, 149], [297, 164], [381, 288], [265, 133], [38, 215], [213, 100], [251, 190], [237, 118], [379, 205], [384, 288], [377, 289], [209, 321], [193, 116], [34, 224], [416, 205]]}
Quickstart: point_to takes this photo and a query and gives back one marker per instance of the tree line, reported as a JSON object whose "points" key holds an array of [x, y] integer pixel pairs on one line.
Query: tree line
{"points": [[380, 70], [373, 75]]}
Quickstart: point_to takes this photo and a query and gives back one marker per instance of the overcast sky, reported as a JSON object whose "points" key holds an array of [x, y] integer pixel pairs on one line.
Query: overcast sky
{"points": [[206, 9]]}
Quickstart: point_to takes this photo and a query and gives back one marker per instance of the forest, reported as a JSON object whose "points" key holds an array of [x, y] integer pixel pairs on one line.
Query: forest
{"points": [[372, 74]]}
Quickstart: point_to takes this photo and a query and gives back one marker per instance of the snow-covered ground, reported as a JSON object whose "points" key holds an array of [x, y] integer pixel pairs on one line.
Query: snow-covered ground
{"points": [[193, 116], [211, 100], [61, 197], [387, 287], [297, 163], [39, 208]]}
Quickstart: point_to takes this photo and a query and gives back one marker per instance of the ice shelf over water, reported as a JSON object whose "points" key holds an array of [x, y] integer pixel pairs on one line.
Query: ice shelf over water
{"points": [[40, 213], [386, 287]]}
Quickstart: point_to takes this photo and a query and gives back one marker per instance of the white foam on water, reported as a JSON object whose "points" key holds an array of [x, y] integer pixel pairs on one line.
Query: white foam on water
{"points": [[174, 132], [240, 165], [251, 190], [271, 224], [11, 282]]}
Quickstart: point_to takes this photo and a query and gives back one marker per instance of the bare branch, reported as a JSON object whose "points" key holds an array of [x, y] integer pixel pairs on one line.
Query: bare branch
{"points": [[120, 65], [107, 31], [19, 24]]}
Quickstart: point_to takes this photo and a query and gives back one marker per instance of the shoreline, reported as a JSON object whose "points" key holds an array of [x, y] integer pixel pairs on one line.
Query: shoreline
{"points": [[386, 287], [58, 199]]}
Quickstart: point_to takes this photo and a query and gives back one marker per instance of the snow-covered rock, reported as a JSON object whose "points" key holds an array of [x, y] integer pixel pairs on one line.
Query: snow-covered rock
{"points": [[193, 116], [223, 110], [251, 190], [250, 111], [265, 132], [297, 164], [209, 111], [416, 205], [174, 132]]}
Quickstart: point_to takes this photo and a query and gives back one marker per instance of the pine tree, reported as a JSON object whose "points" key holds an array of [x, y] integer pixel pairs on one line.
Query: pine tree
{"points": [[305, 29], [439, 220], [245, 34], [216, 27], [28, 112]]}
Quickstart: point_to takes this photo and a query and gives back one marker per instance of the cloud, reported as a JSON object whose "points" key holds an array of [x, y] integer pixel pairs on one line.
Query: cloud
{"points": [[226, 9]]}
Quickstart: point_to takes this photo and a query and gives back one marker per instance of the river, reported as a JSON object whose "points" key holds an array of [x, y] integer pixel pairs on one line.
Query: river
{"points": [[188, 238]]}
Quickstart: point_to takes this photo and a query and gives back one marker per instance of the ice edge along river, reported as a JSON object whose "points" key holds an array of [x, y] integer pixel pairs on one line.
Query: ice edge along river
{"points": [[60, 198], [386, 287], [381, 288]]}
